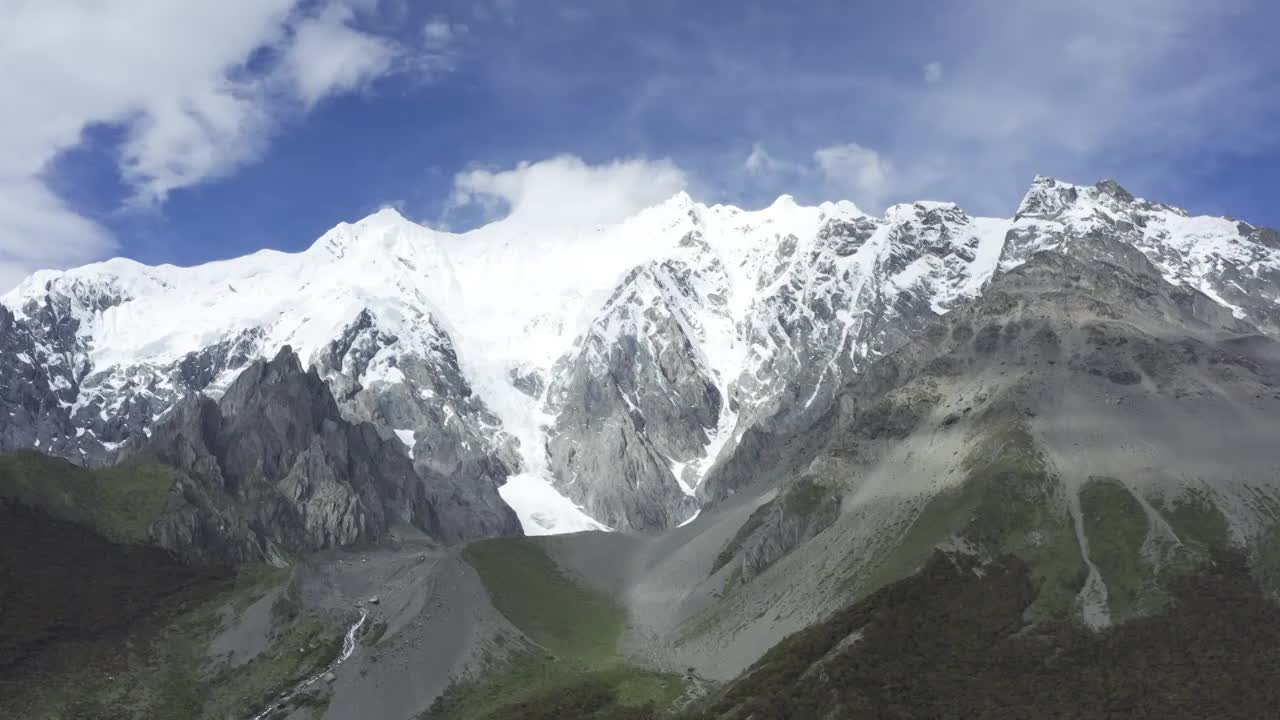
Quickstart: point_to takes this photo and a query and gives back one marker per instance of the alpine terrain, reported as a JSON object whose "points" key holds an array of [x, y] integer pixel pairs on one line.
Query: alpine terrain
{"points": [[795, 462]]}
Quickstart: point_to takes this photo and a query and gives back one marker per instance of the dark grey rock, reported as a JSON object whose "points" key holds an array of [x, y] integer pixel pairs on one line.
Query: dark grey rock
{"points": [[458, 449], [629, 406], [272, 469]]}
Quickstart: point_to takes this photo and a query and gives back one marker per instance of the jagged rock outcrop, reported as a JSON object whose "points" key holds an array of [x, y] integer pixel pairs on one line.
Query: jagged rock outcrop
{"points": [[413, 389], [637, 403], [72, 410], [272, 468], [1234, 263], [800, 512], [29, 405]]}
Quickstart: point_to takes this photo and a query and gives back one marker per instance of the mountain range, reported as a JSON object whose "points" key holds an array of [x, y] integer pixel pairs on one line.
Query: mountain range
{"points": [[598, 374], [797, 421]]}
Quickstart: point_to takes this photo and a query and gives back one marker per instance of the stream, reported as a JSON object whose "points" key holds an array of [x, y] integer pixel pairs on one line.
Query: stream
{"points": [[348, 647]]}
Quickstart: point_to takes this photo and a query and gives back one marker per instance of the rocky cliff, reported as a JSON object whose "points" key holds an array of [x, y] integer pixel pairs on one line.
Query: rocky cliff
{"points": [[272, 468]]}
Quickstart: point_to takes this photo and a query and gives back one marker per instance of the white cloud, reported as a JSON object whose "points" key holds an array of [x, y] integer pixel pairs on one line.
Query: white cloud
{"points": [[842, 171], [1128, 89], [760, 164], [566, 192], [1158, 93], [328, 56], [932, 72], [855, 169], [438, 33], [198, 87], [181, 141], [39, 231], [440, 39]]}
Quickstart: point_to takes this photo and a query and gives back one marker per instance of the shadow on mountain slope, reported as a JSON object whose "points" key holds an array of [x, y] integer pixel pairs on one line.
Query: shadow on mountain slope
{"points": [[59, 582], [953, 642]]}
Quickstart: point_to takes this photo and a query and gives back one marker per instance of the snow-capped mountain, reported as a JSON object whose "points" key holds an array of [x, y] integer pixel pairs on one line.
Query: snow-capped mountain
{"points": [[594, 374], [1231, 261], [754, 318]]}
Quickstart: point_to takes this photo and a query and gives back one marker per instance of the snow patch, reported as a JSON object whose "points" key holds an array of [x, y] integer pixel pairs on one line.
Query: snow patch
{"points": [[677, 470], [692, 517], [541, 509], [406, 437]]}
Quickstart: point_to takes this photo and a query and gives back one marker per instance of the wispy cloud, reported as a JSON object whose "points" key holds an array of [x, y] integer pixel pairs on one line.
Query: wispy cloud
{"points": [[199, 88], [565, 191], [855, 170], [961, 102]]}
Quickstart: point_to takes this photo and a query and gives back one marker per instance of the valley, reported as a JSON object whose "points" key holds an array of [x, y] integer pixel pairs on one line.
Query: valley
{"points": [[795, 463]]}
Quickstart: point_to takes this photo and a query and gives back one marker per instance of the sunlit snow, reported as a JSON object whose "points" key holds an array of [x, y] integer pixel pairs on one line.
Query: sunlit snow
{"points": [[513, 296], [542, 510]]}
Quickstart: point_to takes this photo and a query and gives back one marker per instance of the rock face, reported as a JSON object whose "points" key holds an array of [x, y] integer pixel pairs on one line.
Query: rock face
{"points": [[272, 469], [1232, 262], [29, 403], [1108, 428], [415, 391], [636, 404], [691, 354]]}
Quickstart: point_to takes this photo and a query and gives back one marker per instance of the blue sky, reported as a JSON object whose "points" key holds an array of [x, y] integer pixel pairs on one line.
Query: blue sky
{"points": [[184, 132]]}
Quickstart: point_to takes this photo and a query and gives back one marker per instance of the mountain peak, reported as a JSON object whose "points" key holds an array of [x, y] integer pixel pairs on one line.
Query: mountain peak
{"points": [[1112, 188], [845, 208], [785, 200], [1046, 196], [386, 215], [375, 231], [681, 198]]}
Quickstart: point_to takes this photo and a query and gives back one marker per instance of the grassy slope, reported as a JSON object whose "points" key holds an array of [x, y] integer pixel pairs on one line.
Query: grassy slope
{"points": [[61, 582], [1117, 526], [160, 668], [574, 670], [119, 502], [96, 623], [953, 643], [1008, 503], [554, 611], [1265, 546]]}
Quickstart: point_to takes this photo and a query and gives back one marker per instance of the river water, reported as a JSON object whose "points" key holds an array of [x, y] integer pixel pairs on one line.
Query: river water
{"points": [[348, 647]]}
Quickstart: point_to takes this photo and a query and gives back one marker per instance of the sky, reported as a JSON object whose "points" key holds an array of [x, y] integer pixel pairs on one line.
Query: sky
{"points": [[186, 132]]}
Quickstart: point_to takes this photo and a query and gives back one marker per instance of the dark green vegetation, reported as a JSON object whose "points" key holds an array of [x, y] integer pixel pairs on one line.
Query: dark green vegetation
{"points": [[1266, 550], [95, 624], [531, 685], [549, 607], [120, 502], [1020, 510], [60, 582], [297, 651], [952, 642], [1116, 526], [569, 667], [1196, 519], [805, 497], [153, 661], [1268, 559], [1008, 503]]}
